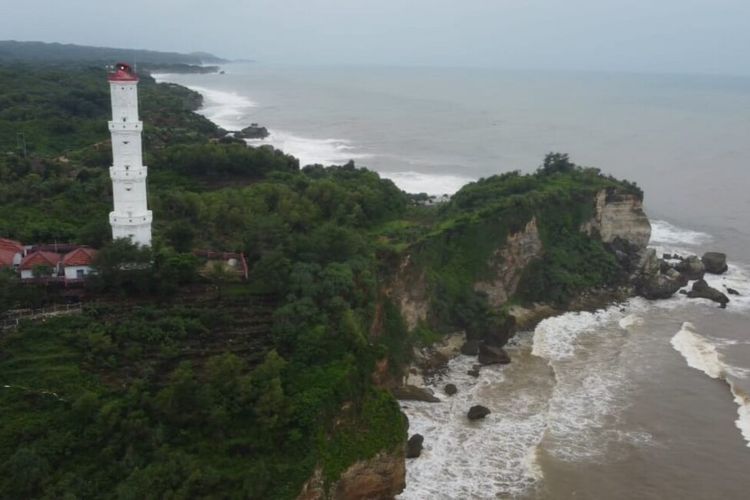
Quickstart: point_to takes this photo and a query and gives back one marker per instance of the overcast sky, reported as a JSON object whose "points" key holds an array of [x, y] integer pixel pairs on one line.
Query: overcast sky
{"points": [[694, 36]]}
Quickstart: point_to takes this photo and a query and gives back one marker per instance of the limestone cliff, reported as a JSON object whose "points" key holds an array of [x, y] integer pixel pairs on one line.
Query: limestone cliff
{"points": [[508, 262], [379, 478], [619, 216], [410, 292]]}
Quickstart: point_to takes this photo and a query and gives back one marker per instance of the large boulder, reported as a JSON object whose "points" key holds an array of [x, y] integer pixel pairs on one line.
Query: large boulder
{"points": [[492, 355], [414, 393], [715, 262], [414, 446], [478, 412], [662, 286], [470, 348], [692, 268], [701, 290]]}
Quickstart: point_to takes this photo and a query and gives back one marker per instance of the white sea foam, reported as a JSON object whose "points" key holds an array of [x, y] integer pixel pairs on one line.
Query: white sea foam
{"points": [[665, 234], [630, 321], [701, 354], [489, 458], [228, 110], [591, 387], [737, 278], [312, 151], [417, 182], [232, 111], [554, 338]]}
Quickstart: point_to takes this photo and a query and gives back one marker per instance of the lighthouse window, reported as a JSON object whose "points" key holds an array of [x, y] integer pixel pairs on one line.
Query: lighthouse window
{"points": [[126, 142], [124, 118]]}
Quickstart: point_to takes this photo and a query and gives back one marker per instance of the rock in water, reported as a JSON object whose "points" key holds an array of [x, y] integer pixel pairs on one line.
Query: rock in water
{"points": [[732, 291], [478, 412], [252, 132], [652, 283], [473, 373], [701, 290], [692, 268], [414, 446], [470, 348], [451, 389], [413, 393], [715, 262], [492, 355]]}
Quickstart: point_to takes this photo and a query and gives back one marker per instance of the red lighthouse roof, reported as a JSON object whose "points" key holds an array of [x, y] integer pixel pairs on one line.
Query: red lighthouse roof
{"points": [[122, 73]]}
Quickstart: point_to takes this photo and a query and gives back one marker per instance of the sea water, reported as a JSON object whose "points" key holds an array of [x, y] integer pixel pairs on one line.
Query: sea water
{"points": [[640, 400]]}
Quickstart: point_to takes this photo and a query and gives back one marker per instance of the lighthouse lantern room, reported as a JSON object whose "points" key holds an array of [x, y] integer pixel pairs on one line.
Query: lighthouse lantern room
{"points": [[131, 217]]}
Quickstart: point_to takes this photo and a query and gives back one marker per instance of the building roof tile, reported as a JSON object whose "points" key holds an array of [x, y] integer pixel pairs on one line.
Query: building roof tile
{"points": [[40, 258], [82, 256]]}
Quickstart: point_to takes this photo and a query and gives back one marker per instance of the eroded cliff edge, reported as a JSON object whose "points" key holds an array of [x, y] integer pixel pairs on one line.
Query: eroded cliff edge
{"points": [[504, 251]]}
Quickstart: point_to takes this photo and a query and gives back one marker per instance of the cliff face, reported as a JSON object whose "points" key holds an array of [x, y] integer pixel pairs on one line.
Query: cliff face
{"points": [[619, 216], [379, 478], [508, 262], [409, 291]]}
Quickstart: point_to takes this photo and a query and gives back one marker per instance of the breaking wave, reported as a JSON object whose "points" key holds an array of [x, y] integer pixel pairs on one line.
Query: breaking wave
{"points": [[700, 353], [311, 151], [665, 234]]}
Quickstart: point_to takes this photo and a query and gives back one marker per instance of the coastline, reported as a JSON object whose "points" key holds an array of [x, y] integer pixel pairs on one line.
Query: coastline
{"points": [[232, 111], [611, 393]]}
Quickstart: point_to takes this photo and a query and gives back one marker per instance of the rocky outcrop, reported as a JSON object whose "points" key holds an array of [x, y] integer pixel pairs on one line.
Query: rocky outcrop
{"points": [[478, 412], [410, 292], [414, 446], [254, 131], [701, 290], [507, 264], [654, 284], [492, 355], [715, 262], [412, 393], [470, 348], [691, 268], [619, 215], [380, 478]]}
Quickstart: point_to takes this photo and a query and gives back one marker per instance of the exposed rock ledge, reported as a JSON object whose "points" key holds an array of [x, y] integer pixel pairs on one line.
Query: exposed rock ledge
{"points": [[619, 216], [380, 478]]}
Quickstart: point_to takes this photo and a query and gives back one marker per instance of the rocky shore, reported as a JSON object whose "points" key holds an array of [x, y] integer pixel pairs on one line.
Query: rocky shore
{"points": [[622, 225]]}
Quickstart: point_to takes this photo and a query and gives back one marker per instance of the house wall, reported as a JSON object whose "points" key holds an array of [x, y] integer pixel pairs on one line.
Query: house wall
{"points": [[71, 272]]}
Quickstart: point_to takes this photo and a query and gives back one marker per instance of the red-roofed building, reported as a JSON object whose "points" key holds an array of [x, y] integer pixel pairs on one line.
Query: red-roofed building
{"points": [[47, 263], [77, 263], [8, 247], [7, 258]]}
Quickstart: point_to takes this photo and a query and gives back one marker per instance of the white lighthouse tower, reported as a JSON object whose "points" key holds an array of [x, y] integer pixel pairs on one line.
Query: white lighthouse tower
{"points": [[131, 217]]}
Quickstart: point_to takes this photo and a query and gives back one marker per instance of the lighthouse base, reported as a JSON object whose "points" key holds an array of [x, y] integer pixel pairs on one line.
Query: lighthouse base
{"points": [[136, 228]]}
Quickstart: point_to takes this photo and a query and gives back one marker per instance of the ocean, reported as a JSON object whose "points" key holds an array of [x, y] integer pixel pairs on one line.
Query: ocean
{"points": [[642, 400]]}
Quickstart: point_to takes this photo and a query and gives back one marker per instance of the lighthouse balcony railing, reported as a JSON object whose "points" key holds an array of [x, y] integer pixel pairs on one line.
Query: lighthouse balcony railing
{"points": [[115, 126], [125, 174], [131, 219]]}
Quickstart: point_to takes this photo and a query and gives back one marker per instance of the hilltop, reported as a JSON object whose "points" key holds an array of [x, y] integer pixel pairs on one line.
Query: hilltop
{"points": [[42, 52]]}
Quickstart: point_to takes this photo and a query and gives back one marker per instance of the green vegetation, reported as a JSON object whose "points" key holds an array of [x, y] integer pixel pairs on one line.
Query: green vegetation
{"points": [[40, 52], [177, 381]]}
